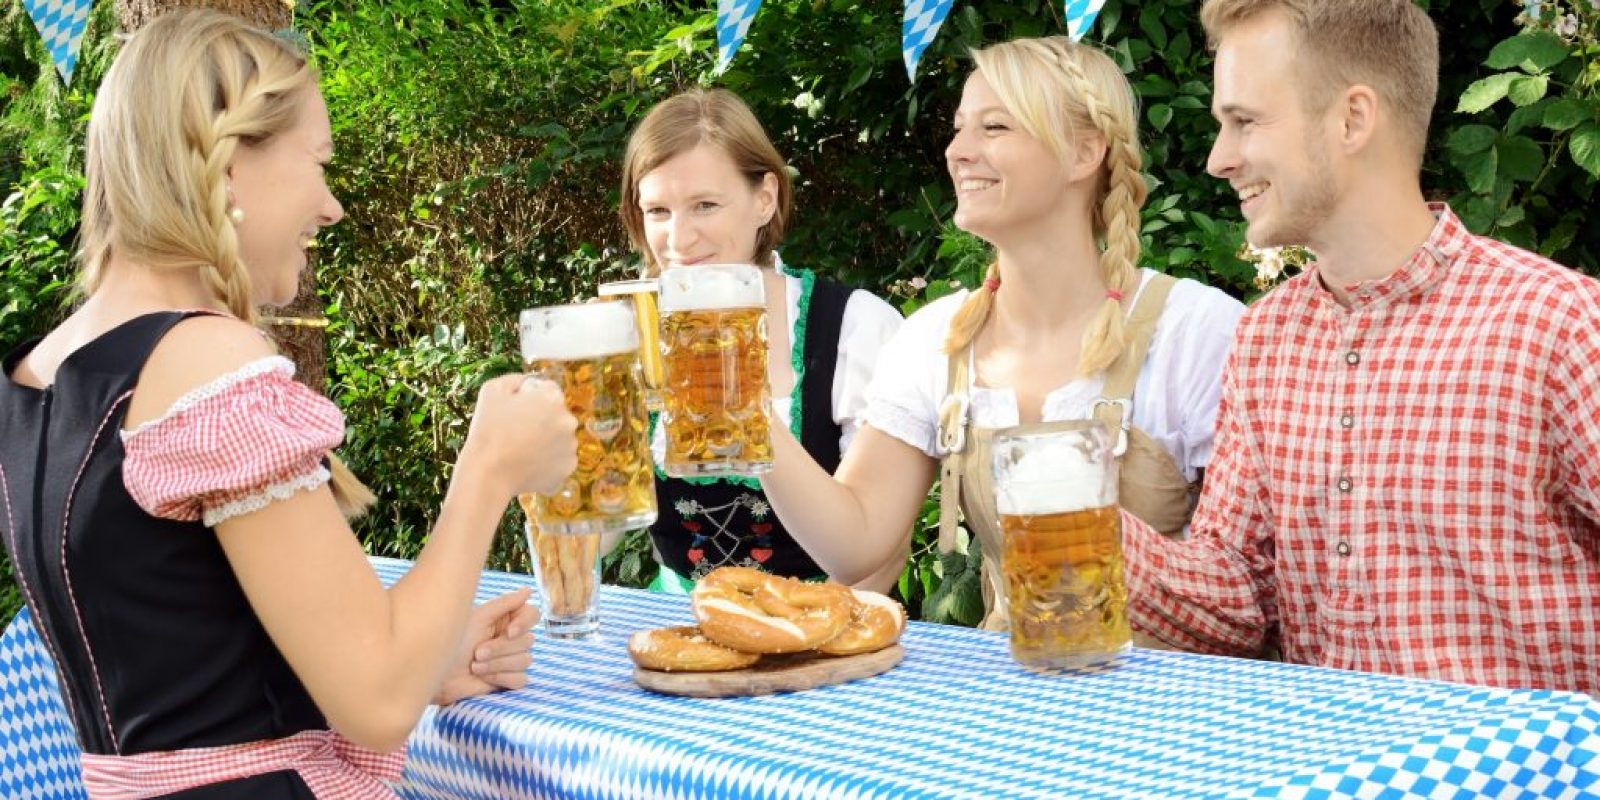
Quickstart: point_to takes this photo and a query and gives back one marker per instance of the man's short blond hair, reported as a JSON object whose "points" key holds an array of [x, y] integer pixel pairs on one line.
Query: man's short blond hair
{"points": [[1389, 45]]}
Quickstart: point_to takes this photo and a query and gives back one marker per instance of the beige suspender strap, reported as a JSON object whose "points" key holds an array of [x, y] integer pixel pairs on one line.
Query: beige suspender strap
{"points": [[953, 413], [1114, 408]]}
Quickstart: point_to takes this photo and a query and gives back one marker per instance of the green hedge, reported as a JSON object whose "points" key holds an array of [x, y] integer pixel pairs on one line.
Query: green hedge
{"points": [[477, 156]]}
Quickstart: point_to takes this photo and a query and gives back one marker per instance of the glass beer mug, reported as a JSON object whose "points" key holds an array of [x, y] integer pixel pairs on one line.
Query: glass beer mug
{"points": [[590, 351], [1056, 493], [714, 349]]}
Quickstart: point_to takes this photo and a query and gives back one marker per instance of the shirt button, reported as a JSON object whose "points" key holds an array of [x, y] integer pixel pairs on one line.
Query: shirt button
{"points": [[1345, 484], [1352, 358], [1343, 548], [1347, 421]]}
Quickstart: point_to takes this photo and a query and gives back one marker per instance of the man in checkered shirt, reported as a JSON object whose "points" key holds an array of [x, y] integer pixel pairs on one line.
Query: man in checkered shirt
{"points": [[1407, 473]]}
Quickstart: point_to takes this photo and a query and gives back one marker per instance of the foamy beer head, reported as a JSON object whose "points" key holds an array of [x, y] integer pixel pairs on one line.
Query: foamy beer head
{"points": [[709, 287], [1054, 473], [571, 333]]}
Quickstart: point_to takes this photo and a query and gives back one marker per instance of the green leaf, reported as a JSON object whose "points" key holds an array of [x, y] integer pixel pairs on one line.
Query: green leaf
{"points": [[1159, 115], [1480, 172], [1585, 147], [911, 219], [1512, 216], [1486, 92], [1520, 158], [1477, 213], [1472, 139], [959, 597], [1532, 52], [1524, 118], [1529, 90], [1567, 113], [1560, 237], [1150, 23]]}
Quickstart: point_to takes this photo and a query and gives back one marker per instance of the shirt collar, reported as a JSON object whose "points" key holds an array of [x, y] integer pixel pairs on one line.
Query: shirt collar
{"points": [[1421, 272]]}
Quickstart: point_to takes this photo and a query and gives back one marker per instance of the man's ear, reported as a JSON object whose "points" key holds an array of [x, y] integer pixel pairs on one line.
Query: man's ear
{"points": [[1359, 114]]}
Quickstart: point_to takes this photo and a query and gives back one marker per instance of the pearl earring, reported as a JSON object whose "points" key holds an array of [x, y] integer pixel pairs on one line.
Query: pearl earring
{"points": [[237, 215]]}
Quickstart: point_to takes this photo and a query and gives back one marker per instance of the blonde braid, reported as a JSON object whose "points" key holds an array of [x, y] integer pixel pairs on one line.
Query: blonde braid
{"points": [[1116, 221], [223, 270], [969, 319]]}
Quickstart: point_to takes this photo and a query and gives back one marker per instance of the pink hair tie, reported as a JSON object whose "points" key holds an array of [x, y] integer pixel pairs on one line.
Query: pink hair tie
{"points": [[1113, 294], [992, 284]]}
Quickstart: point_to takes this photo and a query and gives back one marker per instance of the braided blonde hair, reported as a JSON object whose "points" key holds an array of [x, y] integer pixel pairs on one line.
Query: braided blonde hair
{"points": [[1057, 88], [175, 106]]}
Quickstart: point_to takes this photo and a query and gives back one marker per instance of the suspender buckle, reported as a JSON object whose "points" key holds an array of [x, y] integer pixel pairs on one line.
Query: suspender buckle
{"points": [[1125, 410], [953, 422]]}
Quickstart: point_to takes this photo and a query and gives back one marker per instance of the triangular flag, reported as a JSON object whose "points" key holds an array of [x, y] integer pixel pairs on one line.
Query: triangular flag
{"points": [[733, 22], [922, 21], [1080, 16], [61, 23]]}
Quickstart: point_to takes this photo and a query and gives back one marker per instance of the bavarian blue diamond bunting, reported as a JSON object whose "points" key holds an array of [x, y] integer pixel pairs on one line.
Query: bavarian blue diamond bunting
{"points": [[733, 22], [1080, 16], [61, 23], [922, 21]]}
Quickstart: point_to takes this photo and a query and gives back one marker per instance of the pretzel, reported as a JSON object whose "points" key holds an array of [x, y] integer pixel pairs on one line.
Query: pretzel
{"points": [[566, 569], [748, 610], [876, 623], [684, 649]]}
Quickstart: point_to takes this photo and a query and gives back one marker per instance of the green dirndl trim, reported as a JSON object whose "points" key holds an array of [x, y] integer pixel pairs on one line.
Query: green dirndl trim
{"points": [[669, 582]]}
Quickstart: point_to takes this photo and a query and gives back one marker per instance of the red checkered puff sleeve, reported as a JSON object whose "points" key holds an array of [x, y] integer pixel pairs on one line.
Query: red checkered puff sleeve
{"points": [[233, 446], [1215, 591]]}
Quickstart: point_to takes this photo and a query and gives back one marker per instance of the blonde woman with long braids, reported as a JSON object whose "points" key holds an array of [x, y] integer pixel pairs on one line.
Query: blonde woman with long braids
{"points": [[1046, 166], [173, 508]]}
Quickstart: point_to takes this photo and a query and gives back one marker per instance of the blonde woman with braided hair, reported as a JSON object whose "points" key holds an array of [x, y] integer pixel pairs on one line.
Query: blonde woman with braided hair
{"points": [[172, 502], [1066, 326]]}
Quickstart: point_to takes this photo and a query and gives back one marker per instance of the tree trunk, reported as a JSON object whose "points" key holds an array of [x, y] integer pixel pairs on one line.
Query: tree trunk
{"points": [[271, 15], [304, 344]]}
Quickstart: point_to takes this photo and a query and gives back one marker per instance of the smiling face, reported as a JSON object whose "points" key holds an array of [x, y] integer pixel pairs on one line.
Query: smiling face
{"points": [[281, 188], [698, 208], [1005, 178], [1274, 152]]}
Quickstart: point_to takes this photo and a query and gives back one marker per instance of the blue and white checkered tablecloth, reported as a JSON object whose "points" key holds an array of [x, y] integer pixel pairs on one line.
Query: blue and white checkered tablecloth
{"points": [[956, 719], [959, 719]]}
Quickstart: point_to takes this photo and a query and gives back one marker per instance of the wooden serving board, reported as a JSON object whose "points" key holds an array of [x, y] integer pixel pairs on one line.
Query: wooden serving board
{"points": [[772, 674]]}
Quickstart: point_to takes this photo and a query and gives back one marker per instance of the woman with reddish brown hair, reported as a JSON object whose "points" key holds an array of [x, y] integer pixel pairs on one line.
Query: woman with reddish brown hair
{"points": [[702, 184]]}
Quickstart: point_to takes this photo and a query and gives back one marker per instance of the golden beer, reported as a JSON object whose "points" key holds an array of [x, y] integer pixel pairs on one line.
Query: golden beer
{"points": [[590, 352], [1056, 493], [1064, 586], [642, 293], [714, 350]]}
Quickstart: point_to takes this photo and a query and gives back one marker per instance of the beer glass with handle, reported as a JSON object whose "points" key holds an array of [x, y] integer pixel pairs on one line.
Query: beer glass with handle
{"points": [[714, 348], [589, 350], [1056, 493], [642, 294]]}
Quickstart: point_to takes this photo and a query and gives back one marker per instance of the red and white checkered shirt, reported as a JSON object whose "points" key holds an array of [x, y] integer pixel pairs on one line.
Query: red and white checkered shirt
{"points": [[1410, 485]]}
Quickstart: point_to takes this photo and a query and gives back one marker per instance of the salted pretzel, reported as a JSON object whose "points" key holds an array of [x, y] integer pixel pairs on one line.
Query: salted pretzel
{"points": [[684, 649], [875, 623], [749, 610]]}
